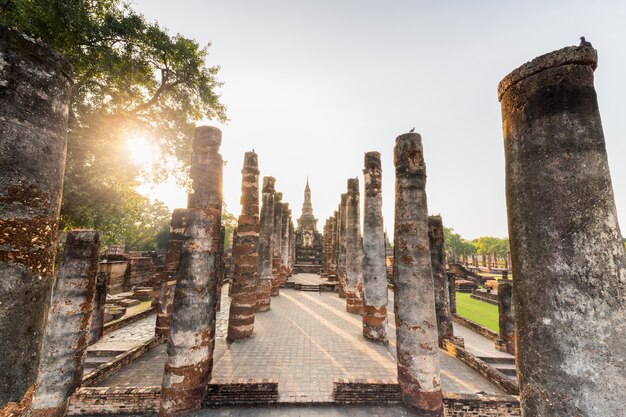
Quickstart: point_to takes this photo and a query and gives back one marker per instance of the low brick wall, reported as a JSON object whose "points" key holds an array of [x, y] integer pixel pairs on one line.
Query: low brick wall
{"points": [[120, 361], [114, 400], [472, 325], [145, 400], [386, 392], [492, 374], [472, 405], [366, 391], [126, 320], [242, 391], [485, 297]]}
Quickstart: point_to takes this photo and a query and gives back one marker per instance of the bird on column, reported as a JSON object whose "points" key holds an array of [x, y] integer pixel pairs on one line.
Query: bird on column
{"points": [[412, 130], [584, 43]]}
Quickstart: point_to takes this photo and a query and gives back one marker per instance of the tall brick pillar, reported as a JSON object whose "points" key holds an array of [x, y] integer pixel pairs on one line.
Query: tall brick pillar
{"points": [[165, 306], [416, 323], [67, 328], [374, 267], [354, 250], [99, 301], [506, 342], [266, 247], [341, 264], [246, 256], [567, 250], [192, 325], [35, 87], [284, 245], [440, 278], [277, 236]]}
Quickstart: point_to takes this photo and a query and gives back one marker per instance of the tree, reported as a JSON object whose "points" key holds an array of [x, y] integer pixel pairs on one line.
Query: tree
{"points": [[488, 244], [131, 79], [455, 242]]}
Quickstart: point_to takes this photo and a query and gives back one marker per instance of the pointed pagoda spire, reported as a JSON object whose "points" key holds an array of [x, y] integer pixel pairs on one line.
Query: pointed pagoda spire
{"points": [[307, 220]]}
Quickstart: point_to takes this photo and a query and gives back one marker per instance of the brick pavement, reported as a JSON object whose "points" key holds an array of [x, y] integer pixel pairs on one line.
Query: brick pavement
{"points": [[305, 341]]}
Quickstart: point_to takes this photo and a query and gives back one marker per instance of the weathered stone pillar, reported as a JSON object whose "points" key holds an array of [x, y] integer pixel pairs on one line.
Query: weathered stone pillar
{"points": [[35, 88], [567, 249], [416, 324], [354, 250], [374, 268], [277, 242], [341, 264], [292, 246], [174, 244], [67, 327], [506, 343], [440, 278], [221, 271], [284, 244], [165, 306], [452, 292], [189, 348], [192, 325], [97, 316], [246, 256], [266, 249]]}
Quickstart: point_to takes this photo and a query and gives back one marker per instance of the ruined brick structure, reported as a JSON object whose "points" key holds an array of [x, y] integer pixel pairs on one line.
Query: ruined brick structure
{"points": [[374, 268], [567, 250], [35, 86], [67, 328], [354, 250], [416, 323], [440, 278], [245, 254], [506, 319], [284, 245], [99, 301], [265, 248]]}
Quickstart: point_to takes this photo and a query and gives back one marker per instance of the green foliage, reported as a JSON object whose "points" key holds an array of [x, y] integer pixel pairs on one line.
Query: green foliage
{"points": [[131, 79], [487, 244], [477, 311], [455, 242]]}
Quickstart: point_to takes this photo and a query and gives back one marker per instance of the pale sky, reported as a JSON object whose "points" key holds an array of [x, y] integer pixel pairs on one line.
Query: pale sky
{"points": [[312, 86]]}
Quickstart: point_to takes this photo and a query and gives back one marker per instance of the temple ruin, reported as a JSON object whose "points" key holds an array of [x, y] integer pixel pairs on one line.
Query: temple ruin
{"points": [[292, 315]]}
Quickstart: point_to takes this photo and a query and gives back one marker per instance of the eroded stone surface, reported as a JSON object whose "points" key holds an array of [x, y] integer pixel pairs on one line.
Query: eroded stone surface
{"points": [[567, 251], [266, 246], [416, 324], [440, 278], [354, 250]]}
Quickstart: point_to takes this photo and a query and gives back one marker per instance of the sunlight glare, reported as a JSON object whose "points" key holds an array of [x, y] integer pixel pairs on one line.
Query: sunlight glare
{"points": [[142, 151]]}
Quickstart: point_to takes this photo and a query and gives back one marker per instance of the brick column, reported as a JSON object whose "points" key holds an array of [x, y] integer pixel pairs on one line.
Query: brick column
{"points": [[276, 242], [354, 250], [440, 279], [36, 84], [452, 292], [97, 316], [292, 246], [192, 325], [165, 306], [374, 268], [67, 328], [341, 264], [284, 244], [266, 250], [416, 323], [246, 256], [566, 246], [506, 343]]}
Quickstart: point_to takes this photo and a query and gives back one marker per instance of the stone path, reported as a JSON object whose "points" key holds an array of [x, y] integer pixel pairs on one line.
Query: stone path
{"points": [[128, 337], [305, 341]]}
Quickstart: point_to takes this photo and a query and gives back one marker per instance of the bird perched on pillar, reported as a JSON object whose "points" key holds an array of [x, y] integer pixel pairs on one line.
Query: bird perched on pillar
{"points": [[584, 43], [412, 130]]}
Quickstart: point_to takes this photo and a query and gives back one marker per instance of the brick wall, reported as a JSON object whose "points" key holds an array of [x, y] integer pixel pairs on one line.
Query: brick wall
{"points": [[116, 271], [383, 391]]}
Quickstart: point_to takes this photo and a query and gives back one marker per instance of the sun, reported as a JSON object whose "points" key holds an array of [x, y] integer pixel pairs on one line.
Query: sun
{"points": [[142, 151]]}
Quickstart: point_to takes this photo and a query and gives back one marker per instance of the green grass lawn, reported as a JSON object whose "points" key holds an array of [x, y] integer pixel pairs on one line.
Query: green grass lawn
{"points": [[480, 312]]}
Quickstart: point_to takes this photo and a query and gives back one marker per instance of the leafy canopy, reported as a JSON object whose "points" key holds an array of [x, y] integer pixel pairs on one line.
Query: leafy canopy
{"points": [[131, 79]]}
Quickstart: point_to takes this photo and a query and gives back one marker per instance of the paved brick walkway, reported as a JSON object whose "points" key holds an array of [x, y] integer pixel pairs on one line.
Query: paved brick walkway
{"points": [[128, 337], [305, 341]]}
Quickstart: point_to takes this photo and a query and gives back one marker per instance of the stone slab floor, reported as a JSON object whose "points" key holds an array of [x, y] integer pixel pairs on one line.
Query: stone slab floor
{"points": [[305, 340]]}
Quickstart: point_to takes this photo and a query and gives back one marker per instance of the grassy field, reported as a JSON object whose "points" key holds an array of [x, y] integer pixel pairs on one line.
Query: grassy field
{"points": [[480, 312]]}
